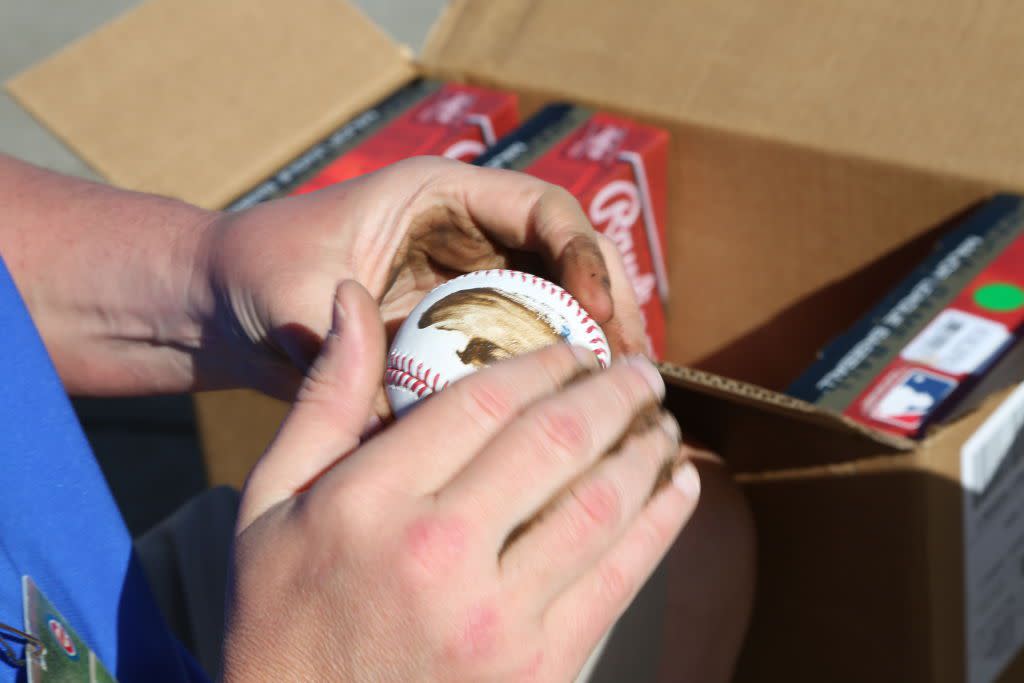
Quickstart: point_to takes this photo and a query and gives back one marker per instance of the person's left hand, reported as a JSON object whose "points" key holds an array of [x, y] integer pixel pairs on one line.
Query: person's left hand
{"points": [[269, 273]]}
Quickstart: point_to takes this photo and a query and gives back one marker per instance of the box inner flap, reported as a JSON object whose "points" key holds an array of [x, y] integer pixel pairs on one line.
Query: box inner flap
{"points": [[916, 83], [742, 420], [206, 118]]}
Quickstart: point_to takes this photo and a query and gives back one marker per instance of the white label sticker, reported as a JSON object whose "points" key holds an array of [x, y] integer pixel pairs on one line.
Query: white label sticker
{"points": [[956, 342], [992, 471]]}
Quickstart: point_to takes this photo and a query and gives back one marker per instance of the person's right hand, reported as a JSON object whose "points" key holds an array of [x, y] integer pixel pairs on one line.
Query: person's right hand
{"points": [[482, 536]]}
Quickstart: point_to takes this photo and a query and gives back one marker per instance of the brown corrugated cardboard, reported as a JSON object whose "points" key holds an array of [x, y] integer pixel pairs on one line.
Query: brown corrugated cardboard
{"points": [[185, 84], [817, 149], [810, 73]]}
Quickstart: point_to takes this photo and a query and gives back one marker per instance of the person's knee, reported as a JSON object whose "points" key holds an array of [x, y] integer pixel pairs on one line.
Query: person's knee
{"points": [[711, 573], [722, 527]]}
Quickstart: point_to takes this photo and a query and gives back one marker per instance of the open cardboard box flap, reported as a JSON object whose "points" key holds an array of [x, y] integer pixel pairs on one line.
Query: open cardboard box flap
{"points": [[918, 83], [206, 118], [738, 420]]}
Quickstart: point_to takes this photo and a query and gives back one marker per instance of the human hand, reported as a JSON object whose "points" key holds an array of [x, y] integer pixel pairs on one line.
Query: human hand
{"points": [[271, 270], [496, 532]]}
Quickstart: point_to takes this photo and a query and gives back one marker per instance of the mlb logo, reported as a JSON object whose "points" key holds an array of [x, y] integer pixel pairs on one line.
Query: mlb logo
{"points": [[911, 398]]}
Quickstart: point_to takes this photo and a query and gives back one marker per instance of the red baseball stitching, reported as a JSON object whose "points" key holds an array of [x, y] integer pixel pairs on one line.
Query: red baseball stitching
{"points": [[401, 371], [397, 378]]}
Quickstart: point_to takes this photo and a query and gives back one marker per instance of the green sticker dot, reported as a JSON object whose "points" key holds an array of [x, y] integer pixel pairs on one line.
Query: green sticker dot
{"points": [[999, 296]]}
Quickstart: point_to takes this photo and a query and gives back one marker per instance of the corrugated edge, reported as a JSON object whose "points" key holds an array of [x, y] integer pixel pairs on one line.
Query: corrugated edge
{"points": [[13, 88], [766, 399], [26, 103], [872, 465]]}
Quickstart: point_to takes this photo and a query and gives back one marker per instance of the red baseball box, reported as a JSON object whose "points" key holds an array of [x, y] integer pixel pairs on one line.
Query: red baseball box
{"points": [[424, 117], [951, 327], [616, 168]]}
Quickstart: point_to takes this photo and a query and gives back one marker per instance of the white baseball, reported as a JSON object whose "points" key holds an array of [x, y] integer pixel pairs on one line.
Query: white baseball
{"points": [[479, 318]]}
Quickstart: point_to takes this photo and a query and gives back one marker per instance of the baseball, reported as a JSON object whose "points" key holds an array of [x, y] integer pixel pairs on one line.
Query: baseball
{"points": [[478, 319]]}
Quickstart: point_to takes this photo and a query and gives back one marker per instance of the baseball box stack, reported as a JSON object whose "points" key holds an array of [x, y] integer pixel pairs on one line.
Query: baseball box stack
{"points": [[815, 148], [425, 117], [616, 168], [929, 345]]}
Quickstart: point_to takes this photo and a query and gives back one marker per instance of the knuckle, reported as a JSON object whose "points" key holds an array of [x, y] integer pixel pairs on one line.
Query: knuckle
{"points": [[431, 547], [590, 512], [599, 504], [630, 390], [558, 195], [555, 206], [654, 533], [656, 445], [634, 389], [476, 636], [614, 585], [421, 164], [556, 362], [487, 401], [425, 173], [561, 432]]}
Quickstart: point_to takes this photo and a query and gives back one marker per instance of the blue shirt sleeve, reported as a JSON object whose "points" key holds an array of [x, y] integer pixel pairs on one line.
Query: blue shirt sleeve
{"points": [[59, 523]]}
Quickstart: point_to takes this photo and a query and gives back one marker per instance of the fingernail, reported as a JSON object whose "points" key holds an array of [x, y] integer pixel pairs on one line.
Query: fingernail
{"points": [[585, 357], [650, 373], [671, 426], [686, 479]]}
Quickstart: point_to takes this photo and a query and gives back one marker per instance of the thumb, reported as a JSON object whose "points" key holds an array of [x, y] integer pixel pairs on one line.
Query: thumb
{"points": [[331, 410]]}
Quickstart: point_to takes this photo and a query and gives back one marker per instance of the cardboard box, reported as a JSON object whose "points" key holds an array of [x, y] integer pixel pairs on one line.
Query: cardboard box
{"points": [[616, 169], [817, 149]]}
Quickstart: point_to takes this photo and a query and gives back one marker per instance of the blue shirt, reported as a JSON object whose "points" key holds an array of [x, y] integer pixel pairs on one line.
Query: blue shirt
{"points": [[59, 523]]}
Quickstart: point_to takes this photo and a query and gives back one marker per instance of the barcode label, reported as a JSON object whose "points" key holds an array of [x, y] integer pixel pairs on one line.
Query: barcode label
{"points": [[992, 472], [957, 343], [942, 335]]}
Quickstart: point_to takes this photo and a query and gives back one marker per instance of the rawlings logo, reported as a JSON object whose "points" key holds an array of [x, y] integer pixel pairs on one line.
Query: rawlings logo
{"points": [[448, 110], [614, 210], [598, 143]]}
